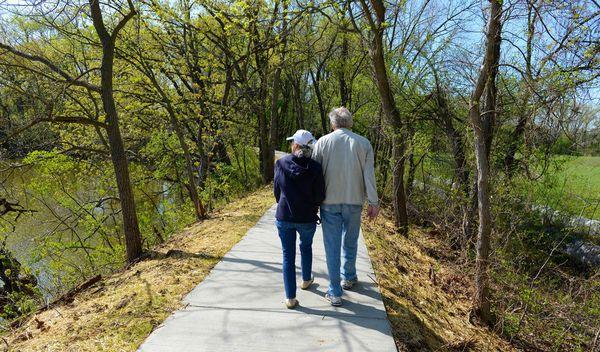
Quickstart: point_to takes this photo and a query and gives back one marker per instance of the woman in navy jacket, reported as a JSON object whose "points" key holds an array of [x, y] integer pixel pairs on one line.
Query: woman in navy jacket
{"points": [[299, 190]]}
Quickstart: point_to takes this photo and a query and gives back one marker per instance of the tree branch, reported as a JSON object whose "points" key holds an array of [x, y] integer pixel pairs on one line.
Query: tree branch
{"points": [[123, 21], [51, 66], [96, 13]]}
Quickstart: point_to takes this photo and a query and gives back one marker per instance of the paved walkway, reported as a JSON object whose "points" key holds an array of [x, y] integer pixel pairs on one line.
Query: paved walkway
{"points": [[239, 306]]}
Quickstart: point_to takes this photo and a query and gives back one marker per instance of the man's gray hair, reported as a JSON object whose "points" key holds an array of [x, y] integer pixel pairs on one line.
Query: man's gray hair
{"points": [[340, 117]]}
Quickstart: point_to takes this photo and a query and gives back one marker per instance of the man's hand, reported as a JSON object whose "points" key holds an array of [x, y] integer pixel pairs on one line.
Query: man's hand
{"points": [[372, 211]]}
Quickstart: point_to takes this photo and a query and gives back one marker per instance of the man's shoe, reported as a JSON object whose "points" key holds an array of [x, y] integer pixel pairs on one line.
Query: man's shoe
{"points": [[348, 284], [335, 301], [306, 284], [291, 303]]}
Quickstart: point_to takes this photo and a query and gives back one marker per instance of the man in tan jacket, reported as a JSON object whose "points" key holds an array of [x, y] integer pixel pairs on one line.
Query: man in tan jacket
{"points": [[349, 169]]}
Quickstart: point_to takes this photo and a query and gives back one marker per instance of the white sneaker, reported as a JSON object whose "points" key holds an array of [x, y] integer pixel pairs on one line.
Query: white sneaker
{"points": [[335, 301], [306, 284], [348, 284], [291, 303]]}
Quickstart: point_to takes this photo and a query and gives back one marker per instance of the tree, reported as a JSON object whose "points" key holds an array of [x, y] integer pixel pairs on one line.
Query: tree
{"points": [[110, 124], [375, 14], [558, 56], [144, 64], [481, 301]]}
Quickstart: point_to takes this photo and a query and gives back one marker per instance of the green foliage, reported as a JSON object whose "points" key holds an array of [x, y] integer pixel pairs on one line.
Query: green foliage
{"points": [[564, 146], [19, 294], [19, 303]]}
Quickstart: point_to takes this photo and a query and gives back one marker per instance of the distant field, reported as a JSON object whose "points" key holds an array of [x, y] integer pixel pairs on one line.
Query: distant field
{"points": [[572, 185], [579, 185]]}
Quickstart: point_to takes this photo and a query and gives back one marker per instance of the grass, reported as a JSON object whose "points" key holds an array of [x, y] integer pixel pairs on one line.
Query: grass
{"points": [[571, 184], [578, 185], [120, 311], [425, 294]]}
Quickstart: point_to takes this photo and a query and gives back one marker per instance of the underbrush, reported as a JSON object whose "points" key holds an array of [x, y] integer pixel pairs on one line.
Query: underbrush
{"points": [[569, 184], [426, 290], [542, 299]]}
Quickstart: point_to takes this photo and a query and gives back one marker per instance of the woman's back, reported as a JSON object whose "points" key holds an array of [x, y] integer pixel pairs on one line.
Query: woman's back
{"points": [[299, 189]]}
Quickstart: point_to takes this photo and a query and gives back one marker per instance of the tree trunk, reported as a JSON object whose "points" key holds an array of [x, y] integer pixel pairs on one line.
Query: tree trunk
{"points": [[298, 102], [133, 242], [488, 117], [513, 144], [274, 123], [412, 169], [266, 154], [392, 114], [412, 166], [192, 186], [322, 111], [481, 301], [342, 77], [461, 172], [265, 150], [399, 197], [202, 153]]}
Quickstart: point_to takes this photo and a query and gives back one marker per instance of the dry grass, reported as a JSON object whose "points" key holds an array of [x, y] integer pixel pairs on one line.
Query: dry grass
{"points": [[120, 311], [426, 296]]}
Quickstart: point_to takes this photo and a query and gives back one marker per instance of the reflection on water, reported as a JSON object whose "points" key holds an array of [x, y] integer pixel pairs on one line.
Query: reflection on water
{"points": [[76, 223]]}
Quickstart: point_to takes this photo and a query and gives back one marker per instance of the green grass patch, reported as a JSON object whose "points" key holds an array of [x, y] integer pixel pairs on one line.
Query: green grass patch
{"points": [[572, 186]]}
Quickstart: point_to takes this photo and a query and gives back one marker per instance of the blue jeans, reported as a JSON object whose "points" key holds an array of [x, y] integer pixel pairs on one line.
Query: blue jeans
{"points": [[287, 234], [341, 226]]}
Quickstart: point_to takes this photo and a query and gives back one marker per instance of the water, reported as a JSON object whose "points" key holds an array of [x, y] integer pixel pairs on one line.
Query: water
{"points": [[73, 210]]}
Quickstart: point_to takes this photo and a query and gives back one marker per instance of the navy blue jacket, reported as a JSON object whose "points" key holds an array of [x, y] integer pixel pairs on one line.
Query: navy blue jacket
{"points": [[299, 188]]}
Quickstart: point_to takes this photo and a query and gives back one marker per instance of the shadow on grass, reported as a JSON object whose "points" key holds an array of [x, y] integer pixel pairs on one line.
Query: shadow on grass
{"points": [[411, 333], [176, 253]]}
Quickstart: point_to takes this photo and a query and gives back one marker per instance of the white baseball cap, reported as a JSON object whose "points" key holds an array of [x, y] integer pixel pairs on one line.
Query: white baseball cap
{"points": [[302, 137]]}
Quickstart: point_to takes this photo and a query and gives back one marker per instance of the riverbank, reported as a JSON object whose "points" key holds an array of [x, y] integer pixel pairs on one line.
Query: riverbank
{"points": [[119, 311], [74, 230]]}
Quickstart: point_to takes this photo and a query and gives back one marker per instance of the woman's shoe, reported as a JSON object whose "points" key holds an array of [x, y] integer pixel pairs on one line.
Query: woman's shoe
{"points": [[291, 303], [306, 284]]}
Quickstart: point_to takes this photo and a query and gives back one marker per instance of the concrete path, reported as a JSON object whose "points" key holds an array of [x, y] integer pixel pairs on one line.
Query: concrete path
{"points": [[239, 306]]}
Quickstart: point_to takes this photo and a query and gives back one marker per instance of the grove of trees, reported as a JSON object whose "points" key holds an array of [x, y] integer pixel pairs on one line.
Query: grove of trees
{"points": [[125, 120]]}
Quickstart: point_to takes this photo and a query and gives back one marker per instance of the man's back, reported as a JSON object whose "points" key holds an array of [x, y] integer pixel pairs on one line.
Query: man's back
{"points": [[348, 165]]}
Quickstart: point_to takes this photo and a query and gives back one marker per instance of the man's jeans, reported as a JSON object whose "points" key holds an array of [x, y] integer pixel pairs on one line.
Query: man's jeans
{"points": [[287, 234], [341, 226]]}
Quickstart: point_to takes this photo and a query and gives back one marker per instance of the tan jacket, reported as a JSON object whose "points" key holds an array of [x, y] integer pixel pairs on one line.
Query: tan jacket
{"points": [[348, 166]]}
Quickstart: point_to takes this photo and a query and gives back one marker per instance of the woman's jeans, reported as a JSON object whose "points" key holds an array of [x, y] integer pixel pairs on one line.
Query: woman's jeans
{"points": [[341, 227], [287, 234]]}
